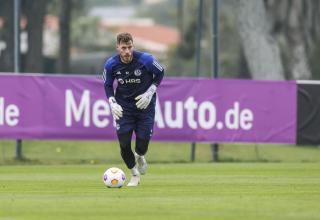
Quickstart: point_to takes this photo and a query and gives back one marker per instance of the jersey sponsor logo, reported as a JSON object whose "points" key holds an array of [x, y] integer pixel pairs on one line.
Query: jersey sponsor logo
{"points": [[132, 81], [157, 65], [137, 72], [129, 81]]}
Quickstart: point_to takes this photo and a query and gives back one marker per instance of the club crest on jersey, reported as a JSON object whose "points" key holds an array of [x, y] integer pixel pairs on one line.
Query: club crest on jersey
{"points": [[137, 72]]}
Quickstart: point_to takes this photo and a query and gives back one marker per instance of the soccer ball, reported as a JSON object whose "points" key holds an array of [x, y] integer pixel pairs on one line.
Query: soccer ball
{"points": [[114, 177]]}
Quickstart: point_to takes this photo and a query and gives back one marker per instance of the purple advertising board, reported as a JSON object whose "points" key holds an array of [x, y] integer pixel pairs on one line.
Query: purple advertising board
{"points": [[200, 110]]}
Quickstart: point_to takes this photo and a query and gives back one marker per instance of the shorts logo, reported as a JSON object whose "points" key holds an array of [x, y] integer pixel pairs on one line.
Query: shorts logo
{"points": [[120, 81], [117, 126], [137, 72]]}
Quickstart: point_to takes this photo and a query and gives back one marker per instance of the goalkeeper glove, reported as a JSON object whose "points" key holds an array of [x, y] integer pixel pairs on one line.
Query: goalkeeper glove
{"points": [[116, 109], [145, 98]]}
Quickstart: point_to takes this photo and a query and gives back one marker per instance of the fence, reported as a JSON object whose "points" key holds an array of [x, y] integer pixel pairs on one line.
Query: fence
{"points": [[199, 110]]}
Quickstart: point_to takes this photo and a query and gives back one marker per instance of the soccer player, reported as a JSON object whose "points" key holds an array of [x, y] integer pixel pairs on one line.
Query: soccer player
{"points": [[138, 74]]}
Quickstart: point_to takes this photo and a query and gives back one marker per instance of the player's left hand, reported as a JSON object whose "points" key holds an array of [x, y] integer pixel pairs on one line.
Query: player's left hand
{"points": [[145, 98]]}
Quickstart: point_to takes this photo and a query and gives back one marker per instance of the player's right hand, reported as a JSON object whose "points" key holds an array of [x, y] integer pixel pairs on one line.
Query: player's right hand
{"points": [[116, 109]]}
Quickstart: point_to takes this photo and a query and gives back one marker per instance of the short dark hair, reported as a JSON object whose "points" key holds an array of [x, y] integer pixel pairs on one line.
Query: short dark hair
{"points": [[124, 37]]}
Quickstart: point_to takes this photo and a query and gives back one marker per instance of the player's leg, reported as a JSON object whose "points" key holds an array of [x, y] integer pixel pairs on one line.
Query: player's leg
{"points": [[140, 151], [125, 126], [144, 132], [129, 158], [125, 149]]}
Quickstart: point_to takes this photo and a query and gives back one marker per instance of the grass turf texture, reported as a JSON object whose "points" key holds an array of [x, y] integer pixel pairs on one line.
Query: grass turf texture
{"points": [[91, 152], [169, 191]]}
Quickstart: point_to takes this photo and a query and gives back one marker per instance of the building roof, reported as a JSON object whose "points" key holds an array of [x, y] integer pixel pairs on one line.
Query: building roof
{"points": [[156, 33], [155, 38], [112, 12]]}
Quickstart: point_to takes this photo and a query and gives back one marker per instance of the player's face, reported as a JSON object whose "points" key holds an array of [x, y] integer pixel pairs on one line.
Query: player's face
{"points": [[125, 50]]}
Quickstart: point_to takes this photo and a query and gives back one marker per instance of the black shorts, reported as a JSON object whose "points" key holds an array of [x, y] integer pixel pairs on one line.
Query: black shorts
{"points": [[139, 121]]}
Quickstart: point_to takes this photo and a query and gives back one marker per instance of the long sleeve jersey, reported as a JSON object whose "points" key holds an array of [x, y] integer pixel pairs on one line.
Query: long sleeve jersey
{"points": [[133, 78]]}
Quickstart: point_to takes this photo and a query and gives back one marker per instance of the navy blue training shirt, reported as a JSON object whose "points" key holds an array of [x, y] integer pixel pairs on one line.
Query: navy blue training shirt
{"points": [[133, 78]]}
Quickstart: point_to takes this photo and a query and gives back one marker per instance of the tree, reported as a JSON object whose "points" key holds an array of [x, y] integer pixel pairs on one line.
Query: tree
{"points": [[299, 65], [298, 22], [291, 27], [261, 50], [34, 11], [6, 36], [181, 60], [65, 19]]}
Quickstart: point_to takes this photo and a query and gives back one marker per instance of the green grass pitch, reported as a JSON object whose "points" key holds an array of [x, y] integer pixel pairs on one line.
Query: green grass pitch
{"points": [[168, 191]]}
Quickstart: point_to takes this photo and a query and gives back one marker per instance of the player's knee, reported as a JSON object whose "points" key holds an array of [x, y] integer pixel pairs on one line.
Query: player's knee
{"points": [[125, 141], [142, 146]]}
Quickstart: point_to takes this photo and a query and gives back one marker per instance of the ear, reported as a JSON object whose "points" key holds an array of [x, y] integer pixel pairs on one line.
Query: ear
{"points": [[118, 48]]}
